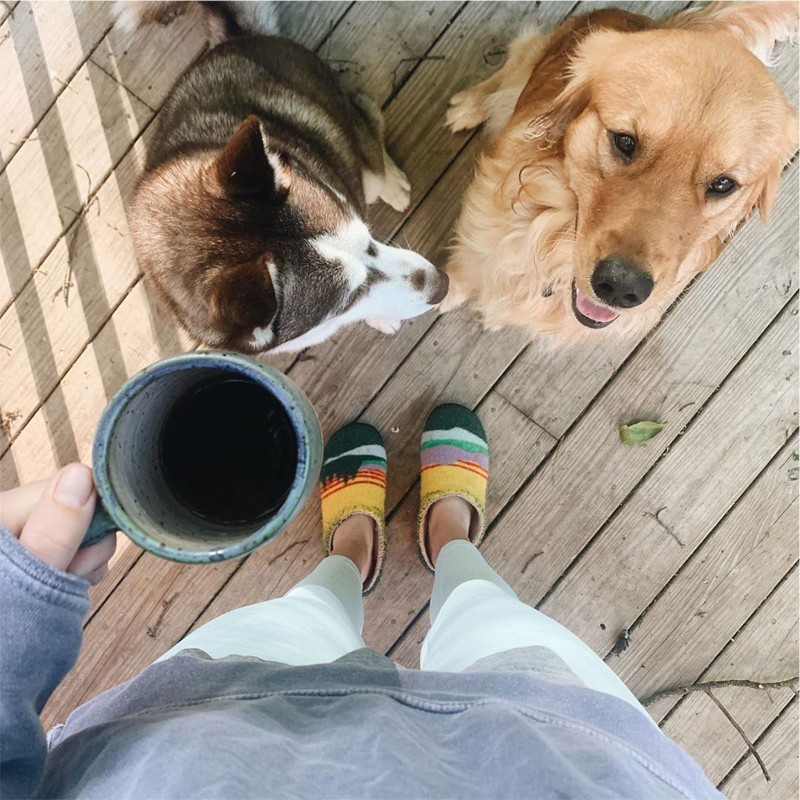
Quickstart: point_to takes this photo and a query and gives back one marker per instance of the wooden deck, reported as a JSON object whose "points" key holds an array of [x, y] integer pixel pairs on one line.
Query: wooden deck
{"points": [[690, 542]]}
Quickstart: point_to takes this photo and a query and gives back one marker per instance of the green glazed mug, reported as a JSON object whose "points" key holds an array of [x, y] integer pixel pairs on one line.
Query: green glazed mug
{"points": [[156, 443]]}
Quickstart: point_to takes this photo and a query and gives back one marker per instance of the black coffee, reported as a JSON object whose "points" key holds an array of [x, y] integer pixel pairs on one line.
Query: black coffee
{"points": [[229, 451]]}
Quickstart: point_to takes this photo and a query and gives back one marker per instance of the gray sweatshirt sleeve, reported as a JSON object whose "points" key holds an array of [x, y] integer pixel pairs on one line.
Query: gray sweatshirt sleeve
{"points": [[41, 615]]}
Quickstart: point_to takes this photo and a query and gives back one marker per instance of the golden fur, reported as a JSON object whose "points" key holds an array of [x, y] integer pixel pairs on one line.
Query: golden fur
{"points": [[550, 197]]}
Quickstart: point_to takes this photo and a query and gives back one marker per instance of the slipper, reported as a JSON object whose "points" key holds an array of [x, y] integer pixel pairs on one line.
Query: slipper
{"points": [[353, 481], [454, 461]]}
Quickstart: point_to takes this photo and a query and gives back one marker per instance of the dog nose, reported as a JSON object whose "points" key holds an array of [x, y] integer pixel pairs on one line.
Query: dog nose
{"points": [[619, 283], [440, 289]]}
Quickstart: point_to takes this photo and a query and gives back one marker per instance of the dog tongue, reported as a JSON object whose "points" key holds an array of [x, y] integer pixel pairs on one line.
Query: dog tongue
{"points": [[592, 310]]}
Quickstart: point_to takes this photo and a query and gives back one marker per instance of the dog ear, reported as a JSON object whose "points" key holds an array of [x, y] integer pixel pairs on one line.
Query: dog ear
{"points": [[593, 47], [573, 99], [757, 25], [247, 168], [242, 297], [767, 189]]}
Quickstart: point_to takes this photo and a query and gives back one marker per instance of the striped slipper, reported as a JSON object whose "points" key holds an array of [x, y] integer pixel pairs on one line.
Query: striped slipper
{"points": [[454, 461], [353, 481]]}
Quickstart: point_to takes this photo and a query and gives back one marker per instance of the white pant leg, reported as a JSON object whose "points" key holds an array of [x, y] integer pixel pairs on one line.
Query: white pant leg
{"points": [[479, 616], [317, 621]]}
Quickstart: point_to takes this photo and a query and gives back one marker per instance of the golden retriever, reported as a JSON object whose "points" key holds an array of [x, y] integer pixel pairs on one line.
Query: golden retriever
{"points": [[624, 153]]}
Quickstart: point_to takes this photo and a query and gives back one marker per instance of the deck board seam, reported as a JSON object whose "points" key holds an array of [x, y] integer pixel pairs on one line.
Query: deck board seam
{"points": [[126, 88], [680, 701], [420, 59], [696, 416], [63, 86], [697, 553]]}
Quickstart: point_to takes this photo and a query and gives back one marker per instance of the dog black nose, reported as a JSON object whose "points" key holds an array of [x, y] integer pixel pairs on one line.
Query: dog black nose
{"points": [[440, 288], [620, 283]]}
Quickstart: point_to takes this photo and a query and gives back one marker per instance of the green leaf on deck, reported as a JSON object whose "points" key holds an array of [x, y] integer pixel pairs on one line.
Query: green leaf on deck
{"points": [[640, 432]]}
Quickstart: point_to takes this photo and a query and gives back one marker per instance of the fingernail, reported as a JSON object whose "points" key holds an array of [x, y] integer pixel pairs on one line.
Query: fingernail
{"points": [[73, 486]]}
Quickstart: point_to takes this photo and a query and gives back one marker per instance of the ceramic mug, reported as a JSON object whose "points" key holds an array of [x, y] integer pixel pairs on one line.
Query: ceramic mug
{"points": [[132, 458]]}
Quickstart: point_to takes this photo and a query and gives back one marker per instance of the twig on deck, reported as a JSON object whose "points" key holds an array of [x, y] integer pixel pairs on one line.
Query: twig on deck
{"points": [[663, 524], [530, 561], [8, 419], [750, 746], [153, 630], [408, 60], [67, 284], [64, 83], [702, 687]]}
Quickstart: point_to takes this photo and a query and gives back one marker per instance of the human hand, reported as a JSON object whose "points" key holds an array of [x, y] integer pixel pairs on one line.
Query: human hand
{"points": [[50, 519]]}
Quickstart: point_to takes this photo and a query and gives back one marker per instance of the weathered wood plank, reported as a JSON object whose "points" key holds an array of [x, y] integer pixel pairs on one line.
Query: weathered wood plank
{"points": [[45, 330], [779, 751], [42, 191], [310, 21], [765, 649], [381, 42], [728, 577], [42, 45], [691, 488]]}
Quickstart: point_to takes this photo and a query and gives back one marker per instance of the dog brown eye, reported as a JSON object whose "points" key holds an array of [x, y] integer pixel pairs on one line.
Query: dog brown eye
{"points": [[722, 185], [625, 144]]}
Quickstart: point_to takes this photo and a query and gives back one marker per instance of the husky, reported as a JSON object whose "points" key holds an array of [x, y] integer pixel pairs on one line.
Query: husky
{"points": [[249, 217]]}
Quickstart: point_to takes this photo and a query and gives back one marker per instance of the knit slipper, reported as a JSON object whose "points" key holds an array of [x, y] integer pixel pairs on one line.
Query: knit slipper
{"points": [[454, 462], [353, 481]]}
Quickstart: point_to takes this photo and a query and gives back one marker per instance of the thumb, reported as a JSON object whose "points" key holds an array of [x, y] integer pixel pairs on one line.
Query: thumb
{"points": [[59, 521]]}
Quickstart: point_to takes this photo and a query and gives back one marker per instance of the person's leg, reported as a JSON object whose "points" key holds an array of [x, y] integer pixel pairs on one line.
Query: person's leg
{"points": [[476, 614], [319, 620]]}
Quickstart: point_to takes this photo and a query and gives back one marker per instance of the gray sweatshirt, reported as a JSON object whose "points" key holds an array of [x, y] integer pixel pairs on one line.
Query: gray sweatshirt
{"points": [[236, 727]]}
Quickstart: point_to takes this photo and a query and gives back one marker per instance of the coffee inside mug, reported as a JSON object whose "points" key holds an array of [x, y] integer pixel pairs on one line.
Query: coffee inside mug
{"points": [[201, 458]]}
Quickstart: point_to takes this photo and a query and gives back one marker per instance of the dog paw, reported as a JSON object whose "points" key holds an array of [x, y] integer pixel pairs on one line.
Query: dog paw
{"points": [[385, 325], [396, 189], [466, 111]]}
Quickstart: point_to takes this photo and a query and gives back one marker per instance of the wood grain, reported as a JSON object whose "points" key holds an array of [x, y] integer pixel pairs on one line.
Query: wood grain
{"points": [[42, 46], [765, 649], [691, 488]]}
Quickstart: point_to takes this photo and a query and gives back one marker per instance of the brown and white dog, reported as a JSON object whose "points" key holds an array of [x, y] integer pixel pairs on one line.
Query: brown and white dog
{"points": [[625, 152], [249, 217]]}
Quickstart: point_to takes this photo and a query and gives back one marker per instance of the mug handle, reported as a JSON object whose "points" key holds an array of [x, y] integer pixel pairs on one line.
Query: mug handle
{"points": [[101, 525]]}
